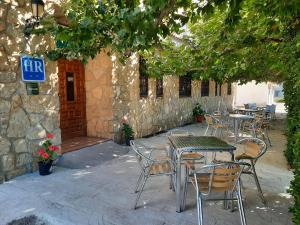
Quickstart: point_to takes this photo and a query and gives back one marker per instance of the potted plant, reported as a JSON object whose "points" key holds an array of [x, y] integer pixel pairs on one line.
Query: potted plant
{"points": [[198, 113], [128, 131], [46, 154]]}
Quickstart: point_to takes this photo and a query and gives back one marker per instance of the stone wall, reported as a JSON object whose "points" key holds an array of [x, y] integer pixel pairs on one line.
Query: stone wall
{"points": [[151, 115], [98, 82], [24, 119]]}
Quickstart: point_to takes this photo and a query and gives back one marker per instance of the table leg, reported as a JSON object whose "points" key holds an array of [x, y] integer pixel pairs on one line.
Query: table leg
{"points": [[236, 129], [178, 184]]}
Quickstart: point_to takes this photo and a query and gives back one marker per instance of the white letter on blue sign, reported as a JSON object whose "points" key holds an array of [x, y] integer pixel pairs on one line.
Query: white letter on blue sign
{"points": [[38, 66], [28, 63]]}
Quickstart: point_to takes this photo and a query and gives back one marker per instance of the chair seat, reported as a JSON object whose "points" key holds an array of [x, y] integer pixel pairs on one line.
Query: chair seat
{"points": [[191, 155], [243, 156], [160, 168], [203, 184]]}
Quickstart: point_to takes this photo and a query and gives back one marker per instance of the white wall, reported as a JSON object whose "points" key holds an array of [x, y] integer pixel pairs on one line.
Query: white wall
{"points": [[253, 93]]}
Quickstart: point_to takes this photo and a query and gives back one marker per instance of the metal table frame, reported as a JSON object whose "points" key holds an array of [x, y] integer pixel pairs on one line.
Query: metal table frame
{"points": [[175, 146], [237, 118]]}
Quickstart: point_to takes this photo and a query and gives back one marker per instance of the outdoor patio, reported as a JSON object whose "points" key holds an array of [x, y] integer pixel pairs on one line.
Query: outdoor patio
{"points": [[100, 190]]}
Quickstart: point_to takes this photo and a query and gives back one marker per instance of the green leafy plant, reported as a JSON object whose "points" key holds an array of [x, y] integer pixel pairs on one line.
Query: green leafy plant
{"points": [[198, 111], [128, 131], [47, 151]]}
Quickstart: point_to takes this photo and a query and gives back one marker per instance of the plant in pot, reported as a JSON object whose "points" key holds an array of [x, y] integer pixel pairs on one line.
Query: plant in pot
{"points": [[127, 130], [47, 153], [198, 113]]}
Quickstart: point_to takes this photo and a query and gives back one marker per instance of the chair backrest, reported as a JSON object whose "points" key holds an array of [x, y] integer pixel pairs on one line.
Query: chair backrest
{"points": [[141, 154], [273, 108], [268, 108], [253, 147], [218, 177], [209, 119]]}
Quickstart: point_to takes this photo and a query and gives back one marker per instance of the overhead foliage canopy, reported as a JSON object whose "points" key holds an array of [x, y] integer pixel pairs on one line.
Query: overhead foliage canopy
{"points": [[125, 26]]}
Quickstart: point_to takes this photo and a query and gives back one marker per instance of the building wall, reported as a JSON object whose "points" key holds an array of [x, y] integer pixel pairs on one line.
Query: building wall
{"points": [[150, 115], [261, 93], [98, 82], [24, 119]]}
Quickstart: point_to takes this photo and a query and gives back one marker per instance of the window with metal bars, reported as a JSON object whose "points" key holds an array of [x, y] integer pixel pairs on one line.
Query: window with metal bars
{"points": [[143, 78], [205, 88], [185, 86], [229, 89], [159, 87]]}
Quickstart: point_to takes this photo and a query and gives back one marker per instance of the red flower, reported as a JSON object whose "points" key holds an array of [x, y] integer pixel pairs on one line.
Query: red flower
{"points": [[45, 155], [41, 151], [53, 148], [50, 136]]}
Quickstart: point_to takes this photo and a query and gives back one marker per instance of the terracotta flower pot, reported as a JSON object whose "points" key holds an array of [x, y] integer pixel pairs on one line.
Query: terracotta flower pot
{"points": [[45, 167], [199, 119]]}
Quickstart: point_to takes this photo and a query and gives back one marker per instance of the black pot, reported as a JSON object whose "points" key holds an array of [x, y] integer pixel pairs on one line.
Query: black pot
{"points": [[127, 140], [45, 167]]}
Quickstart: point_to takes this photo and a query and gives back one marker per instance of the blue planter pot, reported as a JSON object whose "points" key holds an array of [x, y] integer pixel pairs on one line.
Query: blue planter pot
{"points": [[45, 168]]}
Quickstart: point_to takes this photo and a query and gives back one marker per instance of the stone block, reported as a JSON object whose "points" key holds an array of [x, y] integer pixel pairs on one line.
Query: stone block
{"points": [[2, 26], [57, 137], [4, 107], [36, 132], [23, 159], [4, 145], [20, 145], [18, 124], [7, 77], [7, 90], [51, 121], [33, 146], [15, 16], [8, 162], [16, 172], [35, 118]]}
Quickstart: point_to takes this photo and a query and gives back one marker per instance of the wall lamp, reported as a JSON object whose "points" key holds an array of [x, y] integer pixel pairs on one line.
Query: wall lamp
{"points": [[37, 8]]}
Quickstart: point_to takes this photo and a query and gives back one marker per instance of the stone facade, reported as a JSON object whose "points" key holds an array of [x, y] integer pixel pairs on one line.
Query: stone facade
{"points": [[98, 84], [24, 119], [151, 114]]}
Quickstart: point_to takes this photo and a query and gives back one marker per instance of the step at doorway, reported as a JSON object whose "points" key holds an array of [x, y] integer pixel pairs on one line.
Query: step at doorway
{"points": [[76, 143]]}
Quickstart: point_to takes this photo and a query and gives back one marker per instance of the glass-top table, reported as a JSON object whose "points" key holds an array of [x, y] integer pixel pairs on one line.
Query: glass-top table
{"points": [[181, 144], [237, 118]]}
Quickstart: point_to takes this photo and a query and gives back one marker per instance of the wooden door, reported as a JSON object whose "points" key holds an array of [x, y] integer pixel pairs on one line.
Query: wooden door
{"points": [[72, 99]]}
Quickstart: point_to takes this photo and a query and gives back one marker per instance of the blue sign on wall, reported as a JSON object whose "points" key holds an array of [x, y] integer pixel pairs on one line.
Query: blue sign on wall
{"points": [[33, 68]]}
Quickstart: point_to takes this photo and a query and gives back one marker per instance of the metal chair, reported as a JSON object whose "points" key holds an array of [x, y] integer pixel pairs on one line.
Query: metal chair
{"points": [[258, 126], [253, 149], [220, 177], [150, 166], [215, 124], [191, 157]]}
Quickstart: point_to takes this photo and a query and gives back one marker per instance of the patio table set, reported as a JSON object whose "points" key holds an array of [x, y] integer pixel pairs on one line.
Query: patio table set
{"points": [[186, 156]]}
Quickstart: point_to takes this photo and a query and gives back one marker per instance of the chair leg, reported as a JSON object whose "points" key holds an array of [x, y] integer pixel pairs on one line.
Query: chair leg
{"points": [[206, 130], [258, 185], [267, 135], [199, 209], [138, 182], [140, 192], [185, 187], [240, 205]]}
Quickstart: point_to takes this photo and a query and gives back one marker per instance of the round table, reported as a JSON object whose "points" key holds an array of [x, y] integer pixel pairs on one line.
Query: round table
{"points": [[237, 118]]}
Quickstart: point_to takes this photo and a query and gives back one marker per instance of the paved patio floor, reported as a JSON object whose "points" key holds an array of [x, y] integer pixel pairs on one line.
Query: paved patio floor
{"points": [[102, 194]]}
